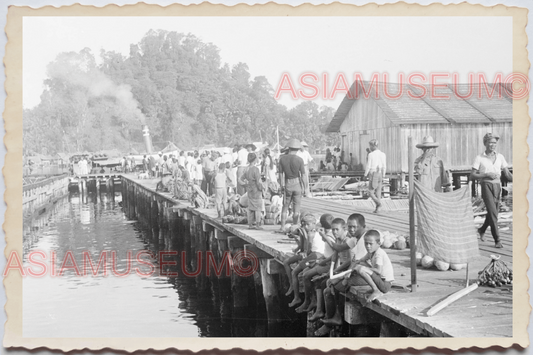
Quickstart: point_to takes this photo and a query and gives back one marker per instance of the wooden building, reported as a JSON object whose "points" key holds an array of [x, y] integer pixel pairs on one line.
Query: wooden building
{"points": [[457, 124]]}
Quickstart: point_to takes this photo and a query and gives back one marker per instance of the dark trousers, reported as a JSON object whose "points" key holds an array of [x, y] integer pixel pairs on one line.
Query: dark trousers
{"points": [[490, 192], [207, 183]]}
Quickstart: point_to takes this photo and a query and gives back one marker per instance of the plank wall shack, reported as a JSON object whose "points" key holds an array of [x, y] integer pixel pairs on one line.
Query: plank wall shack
{"points": [[457, 124]]}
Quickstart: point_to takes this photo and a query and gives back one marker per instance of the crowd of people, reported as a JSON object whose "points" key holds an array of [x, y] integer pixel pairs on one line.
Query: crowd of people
{"points": [[332, 254], [243, 171], [336, 161], [128, 164]]}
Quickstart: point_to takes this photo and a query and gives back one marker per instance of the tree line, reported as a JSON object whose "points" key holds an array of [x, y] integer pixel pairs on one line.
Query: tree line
{"points": [[171, 81]]}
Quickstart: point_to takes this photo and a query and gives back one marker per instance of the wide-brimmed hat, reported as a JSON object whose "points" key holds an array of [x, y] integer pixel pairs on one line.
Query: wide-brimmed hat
{"points": [[304, 144], [251, 145], [427, 142], [294, 144]]}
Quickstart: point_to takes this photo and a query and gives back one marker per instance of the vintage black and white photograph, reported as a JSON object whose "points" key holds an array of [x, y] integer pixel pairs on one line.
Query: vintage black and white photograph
{"points": [[268, 176]]}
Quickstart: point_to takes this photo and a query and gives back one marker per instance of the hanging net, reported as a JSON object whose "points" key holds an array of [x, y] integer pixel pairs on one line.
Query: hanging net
{"points": [[446, 229]]}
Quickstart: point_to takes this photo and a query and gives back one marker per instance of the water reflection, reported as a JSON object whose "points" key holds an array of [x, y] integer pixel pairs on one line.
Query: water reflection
{"points": [[131, 306]]}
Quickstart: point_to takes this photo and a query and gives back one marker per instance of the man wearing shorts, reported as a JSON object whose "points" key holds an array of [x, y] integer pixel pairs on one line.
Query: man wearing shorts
{"points": [[292, 172]]}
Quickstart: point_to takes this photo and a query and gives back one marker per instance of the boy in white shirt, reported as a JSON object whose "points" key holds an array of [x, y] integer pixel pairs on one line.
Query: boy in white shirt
{"points": [[374, 269], [349, 250], [314, 249], [322, 265]]}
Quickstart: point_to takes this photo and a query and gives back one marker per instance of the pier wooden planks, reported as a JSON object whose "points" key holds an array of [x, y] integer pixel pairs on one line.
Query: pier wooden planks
{"points": [[486, 312]]}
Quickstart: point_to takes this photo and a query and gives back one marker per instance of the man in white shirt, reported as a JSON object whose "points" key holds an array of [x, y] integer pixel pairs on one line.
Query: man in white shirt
{"points": [[227, 157], [375, 172], [488, 168], [181, 159], [191, 162], [307, 158]]}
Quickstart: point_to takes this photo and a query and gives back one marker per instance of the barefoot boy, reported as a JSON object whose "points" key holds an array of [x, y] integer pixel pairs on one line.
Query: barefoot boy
{"points": [[315, 249], [350, 249], [374, 270], [322, 265], [341, 261]]}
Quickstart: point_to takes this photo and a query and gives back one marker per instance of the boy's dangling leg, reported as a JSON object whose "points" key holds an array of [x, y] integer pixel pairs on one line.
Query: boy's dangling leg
{"points": [[296, 284], [287, 266], [333, 316], [307, 291], [319, 312], [329, 301]]}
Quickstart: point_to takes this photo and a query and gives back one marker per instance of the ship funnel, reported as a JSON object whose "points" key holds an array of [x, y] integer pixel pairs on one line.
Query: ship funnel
{"points": [[147, 139]]}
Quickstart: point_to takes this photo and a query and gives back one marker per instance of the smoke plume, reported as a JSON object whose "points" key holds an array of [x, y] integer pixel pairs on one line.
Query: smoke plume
{"points": [[79, 69]]}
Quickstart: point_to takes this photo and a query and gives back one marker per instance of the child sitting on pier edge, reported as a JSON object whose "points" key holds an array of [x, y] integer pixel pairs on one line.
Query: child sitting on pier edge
{"points": [[341, 261], [374, 270], [350, 249], [221, 193], [322, 265], [314, 249]]}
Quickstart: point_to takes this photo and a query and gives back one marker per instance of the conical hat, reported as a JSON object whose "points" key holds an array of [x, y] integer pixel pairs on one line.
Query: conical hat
{"points": [[294, 144]]}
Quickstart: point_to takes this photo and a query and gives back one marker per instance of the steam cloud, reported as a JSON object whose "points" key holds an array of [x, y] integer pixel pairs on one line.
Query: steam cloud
{"points": [[75, 69]]}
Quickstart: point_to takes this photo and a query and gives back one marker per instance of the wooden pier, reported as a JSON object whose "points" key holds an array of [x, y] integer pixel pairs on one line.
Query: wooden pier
{"points": [[39, 196], [95, 182], [486, 312]]}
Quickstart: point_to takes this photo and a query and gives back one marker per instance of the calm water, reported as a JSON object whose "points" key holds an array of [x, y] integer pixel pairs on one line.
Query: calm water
{"points": [[131, 306]]}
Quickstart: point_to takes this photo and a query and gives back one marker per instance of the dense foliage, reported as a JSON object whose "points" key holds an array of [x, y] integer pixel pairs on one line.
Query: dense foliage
{"points": [[174, 83]]}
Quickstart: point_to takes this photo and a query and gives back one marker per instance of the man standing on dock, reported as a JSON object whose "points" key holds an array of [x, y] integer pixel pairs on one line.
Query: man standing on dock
{"points": [[375, 172], [292, 171], [307, 158], [488, 168], [429, 168]]}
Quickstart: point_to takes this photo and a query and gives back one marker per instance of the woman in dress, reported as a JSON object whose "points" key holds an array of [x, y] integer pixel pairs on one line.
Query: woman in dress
{"points": [[251, 179]]}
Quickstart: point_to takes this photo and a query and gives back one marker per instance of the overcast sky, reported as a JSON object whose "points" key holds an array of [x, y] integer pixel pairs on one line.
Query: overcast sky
{"points": [[272, 46]]}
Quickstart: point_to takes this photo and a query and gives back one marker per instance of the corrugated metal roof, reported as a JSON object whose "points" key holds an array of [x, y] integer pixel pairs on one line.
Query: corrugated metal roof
{"points": [[453, 110]]}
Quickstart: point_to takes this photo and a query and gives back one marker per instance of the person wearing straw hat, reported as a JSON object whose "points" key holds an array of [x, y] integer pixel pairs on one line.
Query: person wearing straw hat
{"points": [[488, 167], [291, 168], [375, 172], [307, 158], [429, 168]]}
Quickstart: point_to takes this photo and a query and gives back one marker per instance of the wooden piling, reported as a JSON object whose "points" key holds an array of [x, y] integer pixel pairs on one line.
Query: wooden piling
{"points": [[97, 189], [270, 291], [112, 184], [238, 284]]}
